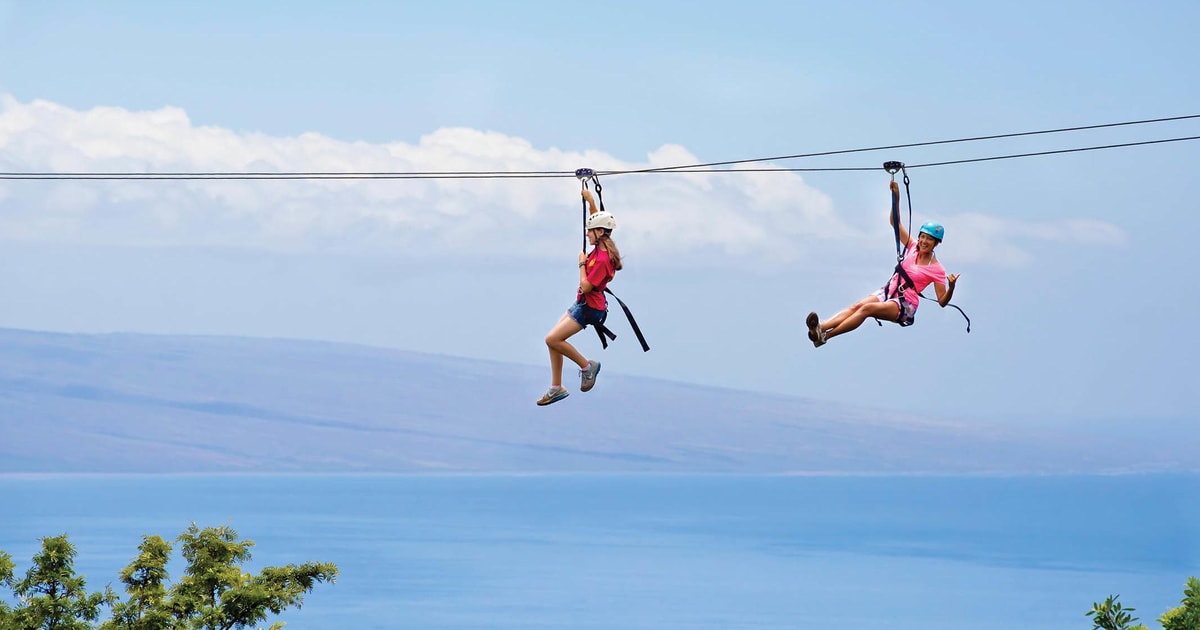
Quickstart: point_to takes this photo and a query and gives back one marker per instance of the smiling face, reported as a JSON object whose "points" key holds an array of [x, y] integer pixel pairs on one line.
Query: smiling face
{"points": [[926, 243]]}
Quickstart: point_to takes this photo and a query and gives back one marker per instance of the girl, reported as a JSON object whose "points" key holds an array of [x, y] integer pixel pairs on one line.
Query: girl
{"points": [[596, 270], [897, 300]]}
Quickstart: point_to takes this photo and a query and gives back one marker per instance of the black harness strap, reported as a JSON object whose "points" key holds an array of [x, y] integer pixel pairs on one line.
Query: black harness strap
{"points": [[585, 213], [899, 275], [960, 312], [632, 322], [903, 281], [584, 175], [602, 331], [604, 334], [599, 191]]}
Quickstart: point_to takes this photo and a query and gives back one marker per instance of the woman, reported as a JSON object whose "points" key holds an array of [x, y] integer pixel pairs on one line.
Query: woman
{"points": [[596, 270], [897, 300]]}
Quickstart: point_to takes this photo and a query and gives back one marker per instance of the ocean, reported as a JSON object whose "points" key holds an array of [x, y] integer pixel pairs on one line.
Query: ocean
{"points": [[657, 551]]}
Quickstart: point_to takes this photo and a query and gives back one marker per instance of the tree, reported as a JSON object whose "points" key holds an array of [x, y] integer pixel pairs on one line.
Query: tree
{"points": [[145, 583], [213, 594], [1111, 616], [1187, 616], [51, 595], [6, 578]]}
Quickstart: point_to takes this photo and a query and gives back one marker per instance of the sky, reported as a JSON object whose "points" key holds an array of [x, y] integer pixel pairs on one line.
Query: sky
{"points": [[1074, 268]]}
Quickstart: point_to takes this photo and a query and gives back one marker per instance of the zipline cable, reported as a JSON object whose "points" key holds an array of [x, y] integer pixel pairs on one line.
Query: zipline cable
{"points": [[911, 145], [784, 169], [693, 168]]}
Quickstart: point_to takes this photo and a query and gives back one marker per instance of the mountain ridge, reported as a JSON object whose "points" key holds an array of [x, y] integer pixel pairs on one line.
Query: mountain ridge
{"points": [[135, 403]]}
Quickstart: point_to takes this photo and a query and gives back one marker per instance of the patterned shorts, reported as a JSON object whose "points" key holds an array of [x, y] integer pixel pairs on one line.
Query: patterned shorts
{"points": [[908, 312]]}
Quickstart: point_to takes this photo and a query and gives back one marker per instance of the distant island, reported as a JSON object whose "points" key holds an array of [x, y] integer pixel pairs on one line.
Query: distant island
{"points": [[127, 403]]}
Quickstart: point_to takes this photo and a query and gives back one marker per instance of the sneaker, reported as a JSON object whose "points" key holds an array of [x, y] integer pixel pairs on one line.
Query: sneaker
{"points": [[812, 321], [587, 376], [814, 329], [553, 395]]}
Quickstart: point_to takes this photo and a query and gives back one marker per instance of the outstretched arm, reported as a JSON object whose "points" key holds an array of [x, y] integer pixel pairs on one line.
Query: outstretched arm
{"points": [[587, 196], [946, 293], [894, 215]]}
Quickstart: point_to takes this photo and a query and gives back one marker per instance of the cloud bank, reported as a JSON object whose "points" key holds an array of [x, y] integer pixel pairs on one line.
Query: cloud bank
{"points": [[745, 216]]}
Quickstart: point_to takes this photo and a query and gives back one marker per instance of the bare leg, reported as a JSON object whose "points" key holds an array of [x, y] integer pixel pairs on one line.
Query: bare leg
{"points": [[556, 341], [889, 311], [836, 320]]}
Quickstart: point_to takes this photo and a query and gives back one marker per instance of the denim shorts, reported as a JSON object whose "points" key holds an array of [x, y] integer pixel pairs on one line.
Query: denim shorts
{"points": [[585, 315], [908, 312]]}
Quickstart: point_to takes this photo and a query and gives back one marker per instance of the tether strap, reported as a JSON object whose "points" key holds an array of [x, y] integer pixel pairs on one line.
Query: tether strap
{"points": [[901, 276], [605, 334], [896, 219], [585, 213], [960, 312], [599, 198], [632, 322], [908, 195], [601, 331], [599, 191]]}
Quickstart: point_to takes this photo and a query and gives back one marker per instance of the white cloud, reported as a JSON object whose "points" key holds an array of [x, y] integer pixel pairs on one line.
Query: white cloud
{"points": [[743, 216], [986, 239]]}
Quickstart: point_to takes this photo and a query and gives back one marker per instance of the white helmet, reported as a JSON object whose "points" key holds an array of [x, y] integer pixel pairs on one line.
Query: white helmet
{"points": [[601, 220]]}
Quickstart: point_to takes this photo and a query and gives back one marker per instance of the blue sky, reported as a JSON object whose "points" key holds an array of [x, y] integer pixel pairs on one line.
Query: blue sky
{"points": [[1074, 268]]}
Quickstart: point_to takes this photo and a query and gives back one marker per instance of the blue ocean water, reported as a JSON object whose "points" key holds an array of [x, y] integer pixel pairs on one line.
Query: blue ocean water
{"points": [[629, 551]]}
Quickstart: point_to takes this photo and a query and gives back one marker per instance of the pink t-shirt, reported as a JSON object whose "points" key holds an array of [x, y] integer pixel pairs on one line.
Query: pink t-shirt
{"points": [[599, 272], [921, 275]]}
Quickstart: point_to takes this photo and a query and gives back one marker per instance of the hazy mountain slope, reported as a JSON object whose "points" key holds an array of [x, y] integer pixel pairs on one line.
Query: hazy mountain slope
{"points": [[109, 403]]}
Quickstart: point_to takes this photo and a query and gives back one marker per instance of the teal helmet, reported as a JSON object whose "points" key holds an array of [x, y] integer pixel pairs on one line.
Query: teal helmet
{"points": [[934, 229]]}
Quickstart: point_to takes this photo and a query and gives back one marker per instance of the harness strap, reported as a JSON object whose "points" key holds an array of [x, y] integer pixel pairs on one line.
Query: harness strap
{"points": [[599, 191], [604, 333], [585, 175], [585, 213], [601, 332], [632, 322], [960, 312], [896, 223], [903, 281]]}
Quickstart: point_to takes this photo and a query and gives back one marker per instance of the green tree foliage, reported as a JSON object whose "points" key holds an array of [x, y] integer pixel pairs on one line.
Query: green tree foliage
{"points": [[1187, 616], [213, 594], [145, 584], [6, 579], [1110, 615], [51, 595]]}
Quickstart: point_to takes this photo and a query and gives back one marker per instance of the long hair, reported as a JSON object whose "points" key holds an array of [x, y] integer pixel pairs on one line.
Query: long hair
{"points": [[605, 242]]}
